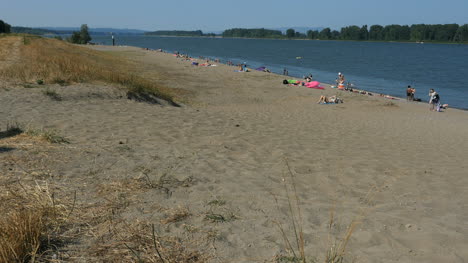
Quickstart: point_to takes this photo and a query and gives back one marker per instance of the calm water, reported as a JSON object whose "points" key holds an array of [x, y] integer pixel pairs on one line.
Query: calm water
{"points": [[378, 67]]}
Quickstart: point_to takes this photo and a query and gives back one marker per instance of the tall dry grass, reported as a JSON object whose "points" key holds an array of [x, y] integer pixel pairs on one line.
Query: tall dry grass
{"points": [[55, 61], [29, 218]]}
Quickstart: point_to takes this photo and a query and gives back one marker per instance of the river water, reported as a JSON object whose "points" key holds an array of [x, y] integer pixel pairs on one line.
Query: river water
{"points": [[379, 67]]}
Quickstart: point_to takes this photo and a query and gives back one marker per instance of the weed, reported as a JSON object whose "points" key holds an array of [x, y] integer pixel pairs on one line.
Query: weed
{"points": [[40, 82], [48, 135], [217, 202], [220, 218], [59, 81], [52, 94], [215, 217], [29, 86]]}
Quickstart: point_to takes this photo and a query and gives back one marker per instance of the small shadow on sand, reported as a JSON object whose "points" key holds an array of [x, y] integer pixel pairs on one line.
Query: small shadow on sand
{"points": [[10, 133], [149, 98], [6, 149]]}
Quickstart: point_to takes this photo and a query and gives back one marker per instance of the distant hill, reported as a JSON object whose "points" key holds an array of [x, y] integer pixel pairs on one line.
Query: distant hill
{"points": [[32, 31], [97, 31]]}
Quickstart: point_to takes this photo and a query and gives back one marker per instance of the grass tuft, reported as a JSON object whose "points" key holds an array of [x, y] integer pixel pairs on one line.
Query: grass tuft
{"points": [[52, 94], [29, 221], [48, 135]]}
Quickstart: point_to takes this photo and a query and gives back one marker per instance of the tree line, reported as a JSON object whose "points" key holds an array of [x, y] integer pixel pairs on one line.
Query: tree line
{"points": [[4, 27], [417, 32], [196, 33], [252, 33]]}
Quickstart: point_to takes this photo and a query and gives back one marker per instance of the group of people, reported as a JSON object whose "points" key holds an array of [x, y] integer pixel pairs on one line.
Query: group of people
{"points": [[434, 101]]}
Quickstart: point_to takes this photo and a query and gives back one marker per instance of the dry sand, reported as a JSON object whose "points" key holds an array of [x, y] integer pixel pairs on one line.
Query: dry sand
{"points": [[396, 167]]}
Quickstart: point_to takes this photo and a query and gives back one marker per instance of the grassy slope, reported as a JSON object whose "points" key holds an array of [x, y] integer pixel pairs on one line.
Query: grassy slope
{"points": [[55, 61]]}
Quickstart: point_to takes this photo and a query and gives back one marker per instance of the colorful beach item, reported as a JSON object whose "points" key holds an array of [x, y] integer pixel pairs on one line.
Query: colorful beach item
{"points": [[312, 84]]}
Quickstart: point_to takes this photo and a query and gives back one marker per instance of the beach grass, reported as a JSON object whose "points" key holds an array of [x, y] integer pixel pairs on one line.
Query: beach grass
{"points": [[53, 61], [31, 218]]}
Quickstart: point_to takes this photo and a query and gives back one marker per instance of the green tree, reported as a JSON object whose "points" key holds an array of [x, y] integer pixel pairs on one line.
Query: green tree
{"points": [[363, 33], [290, 33], [375, 32], [325, 33], [335, 35], [418, 32], [81, 37], [4, 27], [312, 34], [350, 33], [462, 34], [84, 34]]}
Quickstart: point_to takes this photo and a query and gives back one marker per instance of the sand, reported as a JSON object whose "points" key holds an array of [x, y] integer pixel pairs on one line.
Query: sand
{"points": [[393, 166]]}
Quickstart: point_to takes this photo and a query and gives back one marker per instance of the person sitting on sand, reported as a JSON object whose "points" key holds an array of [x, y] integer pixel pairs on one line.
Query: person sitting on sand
{"points": [[331, 100], [291, 82]]}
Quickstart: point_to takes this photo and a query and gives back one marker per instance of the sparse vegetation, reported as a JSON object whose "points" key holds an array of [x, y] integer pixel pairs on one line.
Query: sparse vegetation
{"points": [[52, 94], [336, 246], [54, 61], [48, 135]]}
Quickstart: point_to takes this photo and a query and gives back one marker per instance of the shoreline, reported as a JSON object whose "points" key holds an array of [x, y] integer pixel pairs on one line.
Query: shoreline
{"points": [[328, 85]]}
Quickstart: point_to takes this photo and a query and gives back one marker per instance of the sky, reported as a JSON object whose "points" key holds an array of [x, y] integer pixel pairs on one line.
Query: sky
{"points": [[218, 15]]}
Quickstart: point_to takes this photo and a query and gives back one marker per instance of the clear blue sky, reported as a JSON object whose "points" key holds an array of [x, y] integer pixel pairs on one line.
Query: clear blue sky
{"points": [[216, 15]]}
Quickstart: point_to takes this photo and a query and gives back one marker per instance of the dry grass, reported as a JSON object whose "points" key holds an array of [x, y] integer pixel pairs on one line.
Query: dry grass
{"points": [[55, 61], [29, 221], [15, 129], [139, 242], [176, 214]]}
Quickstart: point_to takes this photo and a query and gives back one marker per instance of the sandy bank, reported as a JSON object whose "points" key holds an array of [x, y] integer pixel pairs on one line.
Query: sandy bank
{"points": [[232, 139]]}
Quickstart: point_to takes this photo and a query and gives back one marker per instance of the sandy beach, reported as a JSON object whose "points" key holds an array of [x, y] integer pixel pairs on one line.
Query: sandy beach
{"points": [[394, 167]]}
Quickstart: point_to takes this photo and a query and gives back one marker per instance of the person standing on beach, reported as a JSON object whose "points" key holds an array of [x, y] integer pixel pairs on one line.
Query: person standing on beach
{"points": [[434, 99], [409, 92], [285, 72], [413, 91]]}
